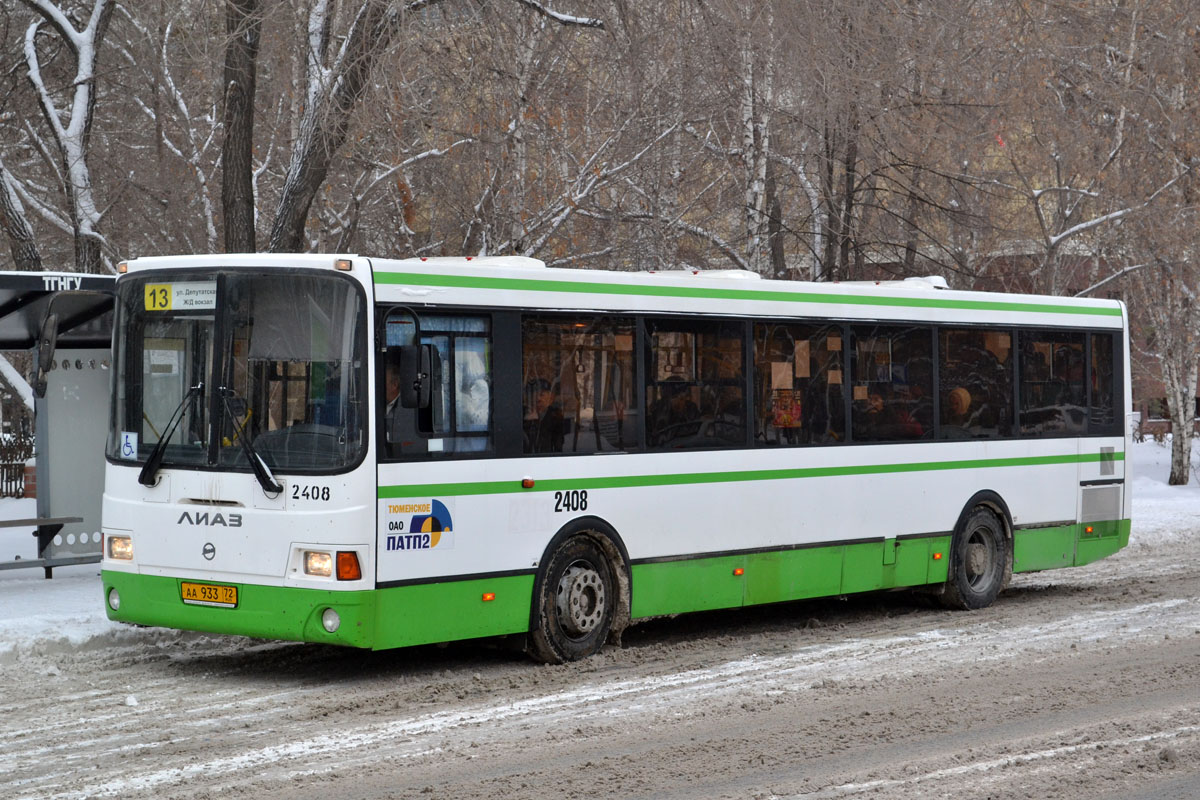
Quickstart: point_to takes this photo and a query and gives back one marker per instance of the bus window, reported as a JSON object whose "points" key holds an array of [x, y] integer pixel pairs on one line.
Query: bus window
{"points": [[891, 370], [1102, 414], [798, 384], [1053, 393], [695, 392], [975, 383], [176, 354], [462, 420], [294, 371], [578, 379]]}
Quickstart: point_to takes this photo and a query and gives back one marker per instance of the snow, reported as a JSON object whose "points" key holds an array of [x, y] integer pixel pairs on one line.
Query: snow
{"points": [[16, 381], [32, 609], [69, 610], [1162, 513]]}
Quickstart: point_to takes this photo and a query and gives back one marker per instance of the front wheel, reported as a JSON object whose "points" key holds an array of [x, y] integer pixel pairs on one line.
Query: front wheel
{"points": [[574, 604], [980, 562]]}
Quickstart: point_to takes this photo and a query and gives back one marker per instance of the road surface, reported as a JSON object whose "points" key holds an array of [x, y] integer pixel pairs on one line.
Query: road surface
{"points": [[1076, 684]]}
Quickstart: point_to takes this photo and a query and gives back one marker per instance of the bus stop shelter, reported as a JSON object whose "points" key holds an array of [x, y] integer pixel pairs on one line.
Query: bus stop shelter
{"points": [[65, 321]]}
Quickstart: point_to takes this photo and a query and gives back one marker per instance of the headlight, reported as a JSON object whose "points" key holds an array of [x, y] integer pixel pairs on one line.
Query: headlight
{"points": [[317, 563], [120, 548]]}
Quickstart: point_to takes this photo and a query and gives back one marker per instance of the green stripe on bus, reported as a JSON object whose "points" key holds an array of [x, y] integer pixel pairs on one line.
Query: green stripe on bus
{"points": [[704, 584], [685, 478], [697, 292], [1036, 549], [452, 610], [380, 618], [273, 612], [729, 581]]}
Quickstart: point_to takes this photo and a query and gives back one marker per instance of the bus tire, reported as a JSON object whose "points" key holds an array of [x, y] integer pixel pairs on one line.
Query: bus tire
{"points": [[574, 604], [980, 561]]}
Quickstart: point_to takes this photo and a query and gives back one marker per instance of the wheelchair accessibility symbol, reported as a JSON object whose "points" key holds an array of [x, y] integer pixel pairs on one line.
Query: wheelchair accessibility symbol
{"points": [[129, 444]]}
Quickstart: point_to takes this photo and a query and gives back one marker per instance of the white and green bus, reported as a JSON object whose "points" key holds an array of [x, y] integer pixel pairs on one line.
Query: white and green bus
{"points": [[381, 453]]}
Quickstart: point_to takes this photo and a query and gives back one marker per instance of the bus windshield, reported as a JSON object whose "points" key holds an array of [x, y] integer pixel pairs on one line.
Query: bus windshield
{"points": [[218, 360]]}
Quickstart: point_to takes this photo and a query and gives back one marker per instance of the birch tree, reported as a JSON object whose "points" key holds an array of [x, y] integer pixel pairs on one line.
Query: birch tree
{"points": [[1166, 150], [756, 71], [1168, 301]]}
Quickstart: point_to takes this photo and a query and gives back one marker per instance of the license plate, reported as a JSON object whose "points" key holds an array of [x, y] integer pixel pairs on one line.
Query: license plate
{"points": [[209, 594]]}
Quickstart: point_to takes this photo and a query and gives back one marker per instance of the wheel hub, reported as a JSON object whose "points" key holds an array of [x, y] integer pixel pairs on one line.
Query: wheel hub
{"points": [[978, 561], [580, 600], [977, 557]]}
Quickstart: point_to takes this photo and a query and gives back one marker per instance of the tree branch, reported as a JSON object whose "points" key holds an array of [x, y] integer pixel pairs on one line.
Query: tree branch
{"points": [[563, 19]]}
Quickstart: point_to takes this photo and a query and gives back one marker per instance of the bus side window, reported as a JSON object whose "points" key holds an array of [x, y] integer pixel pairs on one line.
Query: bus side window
{"points": [[892, 373], [1053, 388], [695, 392], [578, 384], [1102, 410], [461, 421], [798, 384], [975, 383]]}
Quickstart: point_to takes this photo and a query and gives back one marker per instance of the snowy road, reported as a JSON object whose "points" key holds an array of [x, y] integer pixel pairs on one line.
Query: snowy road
{"points": [[1077, 684]]}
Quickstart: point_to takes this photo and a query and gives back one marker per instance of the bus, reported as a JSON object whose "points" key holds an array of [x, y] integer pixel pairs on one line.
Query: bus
{"points": [[383, 453]]}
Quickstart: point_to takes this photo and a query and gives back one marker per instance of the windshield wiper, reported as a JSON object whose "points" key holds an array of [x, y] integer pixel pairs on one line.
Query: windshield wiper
{"points": [[149, 474], [266, 479]]}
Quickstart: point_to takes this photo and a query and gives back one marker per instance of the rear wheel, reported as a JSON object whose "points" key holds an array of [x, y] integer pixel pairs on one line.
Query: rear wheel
{"points": [[574, 603], [980, 562]]}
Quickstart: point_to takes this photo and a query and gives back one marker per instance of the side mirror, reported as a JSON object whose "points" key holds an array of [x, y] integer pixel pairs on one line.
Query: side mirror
{"points": [[47, 339], [420, 375]]}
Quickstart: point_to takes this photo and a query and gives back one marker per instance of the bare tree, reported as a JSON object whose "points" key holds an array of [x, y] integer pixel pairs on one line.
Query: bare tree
{"points": [[25, 253], [1169, 303], [243, 30], [334, 84], [71, 127]]}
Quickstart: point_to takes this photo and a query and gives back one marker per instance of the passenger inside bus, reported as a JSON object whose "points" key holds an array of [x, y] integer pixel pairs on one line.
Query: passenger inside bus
{"points": [[544, 424], [671, 412], [959, 407], [886, 418], [674, 404]]}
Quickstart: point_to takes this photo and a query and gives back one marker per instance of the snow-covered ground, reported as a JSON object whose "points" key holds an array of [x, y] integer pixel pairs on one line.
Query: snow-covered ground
{"points": [[69, 609]]}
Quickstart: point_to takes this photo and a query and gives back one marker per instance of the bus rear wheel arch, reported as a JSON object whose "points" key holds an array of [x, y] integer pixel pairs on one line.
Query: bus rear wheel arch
{"points": [[581, 595], [980, 559]]}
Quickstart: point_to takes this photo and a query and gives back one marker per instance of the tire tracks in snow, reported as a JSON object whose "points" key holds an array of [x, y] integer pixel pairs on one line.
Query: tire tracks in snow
{"points": [[318, 745]]}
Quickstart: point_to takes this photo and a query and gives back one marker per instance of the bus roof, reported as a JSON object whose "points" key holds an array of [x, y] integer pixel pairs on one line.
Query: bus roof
{"points": [[483, 282], [520, 282]]}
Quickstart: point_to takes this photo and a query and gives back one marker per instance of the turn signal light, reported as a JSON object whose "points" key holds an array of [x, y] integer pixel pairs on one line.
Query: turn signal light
{"points": [[1088, 529], [347, 566], [937, 556], [526, 483], [739, 571], [489, 597]]}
